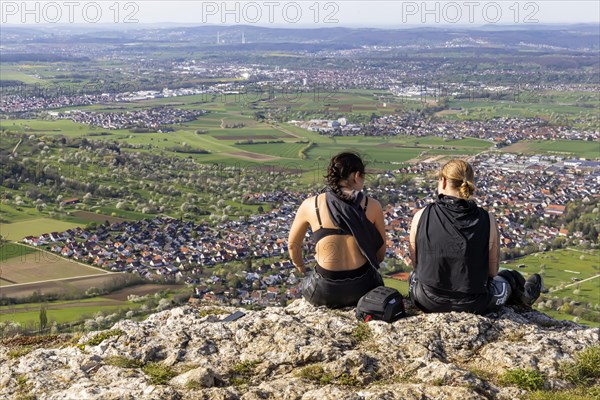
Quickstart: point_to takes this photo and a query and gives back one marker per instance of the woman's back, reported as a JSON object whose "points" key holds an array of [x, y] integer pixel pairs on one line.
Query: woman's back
{"points": [[350, 241], [336, 251]]}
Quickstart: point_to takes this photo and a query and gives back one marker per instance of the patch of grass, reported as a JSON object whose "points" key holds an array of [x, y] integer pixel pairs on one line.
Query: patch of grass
{"points": [[123, 362], [19, 352], [193, 385], [23, 389], [158, 373], [347, 380], [21, 381], [438, 382], [361, 332], [527, 379], [27, 396], [242, 372], [245, 368], [572, 394], [237, 381], [585, 370], [515, 336], [482, 374], [75, 338], [315, 373], [401, 286], [30, 340], [99, 338]]}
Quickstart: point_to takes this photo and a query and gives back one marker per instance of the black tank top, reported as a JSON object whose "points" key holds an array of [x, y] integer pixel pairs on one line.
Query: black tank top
{"points": [[324, 232], [452, 246]]}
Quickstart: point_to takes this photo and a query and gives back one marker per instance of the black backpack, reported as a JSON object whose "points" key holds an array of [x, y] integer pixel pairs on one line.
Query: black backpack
{"points": [[382, 303]]}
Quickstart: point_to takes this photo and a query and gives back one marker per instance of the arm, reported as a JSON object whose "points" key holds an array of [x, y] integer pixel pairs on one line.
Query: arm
{"points": [[380, 225], [412, 246], [296, 237], [494, 248]]}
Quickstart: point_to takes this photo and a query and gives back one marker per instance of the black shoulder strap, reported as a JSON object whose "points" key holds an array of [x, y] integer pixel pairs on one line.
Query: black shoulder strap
{"points": [[317, 211], [366, 203]]}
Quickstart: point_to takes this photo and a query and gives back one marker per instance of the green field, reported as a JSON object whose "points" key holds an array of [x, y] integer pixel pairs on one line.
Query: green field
{"points": [[71, 311], [564, 269], [18, 74], [400, 286], [570, 113], [34, 227], [286, 150], [573, 148], [11, 250], [61, 312], [11, 213], [558, 263], [22, 264]]}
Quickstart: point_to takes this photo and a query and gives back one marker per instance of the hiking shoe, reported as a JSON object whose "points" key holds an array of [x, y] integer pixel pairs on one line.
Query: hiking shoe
{"points": [[515, 280], [522, 292], [533, 288]]}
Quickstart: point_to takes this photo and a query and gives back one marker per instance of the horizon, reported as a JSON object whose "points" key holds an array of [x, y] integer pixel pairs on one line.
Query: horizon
{"points": [[167, 25]]}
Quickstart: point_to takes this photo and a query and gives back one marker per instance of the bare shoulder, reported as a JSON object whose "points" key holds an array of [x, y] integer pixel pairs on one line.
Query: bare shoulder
{"points": [[417, 217], [306, 204], [374, 203], [418, 213]]}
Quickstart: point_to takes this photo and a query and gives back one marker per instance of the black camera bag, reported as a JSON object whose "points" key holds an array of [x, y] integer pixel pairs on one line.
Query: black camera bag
{"points": [[382, 303]]}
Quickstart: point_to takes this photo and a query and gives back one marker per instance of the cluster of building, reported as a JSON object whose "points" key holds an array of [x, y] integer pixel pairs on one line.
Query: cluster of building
{"points": [[10, 104], [512, 187], [153, 118], [23, 103], [167, 249], [501, 130]]}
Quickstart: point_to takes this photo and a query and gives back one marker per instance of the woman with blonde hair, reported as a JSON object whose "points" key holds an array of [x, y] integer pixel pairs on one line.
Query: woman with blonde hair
{"points": [[455, 252]]}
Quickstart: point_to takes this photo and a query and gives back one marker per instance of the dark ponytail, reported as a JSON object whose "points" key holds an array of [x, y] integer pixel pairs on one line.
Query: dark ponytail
{"points": [[340, 168]]}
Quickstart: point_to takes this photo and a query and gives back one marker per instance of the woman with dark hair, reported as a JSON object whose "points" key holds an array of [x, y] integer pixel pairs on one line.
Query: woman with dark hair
{"points": [[349, 233], [455, 252]]}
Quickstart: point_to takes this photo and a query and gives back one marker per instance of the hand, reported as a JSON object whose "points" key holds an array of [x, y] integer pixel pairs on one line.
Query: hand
{"points": [[301, 268]]}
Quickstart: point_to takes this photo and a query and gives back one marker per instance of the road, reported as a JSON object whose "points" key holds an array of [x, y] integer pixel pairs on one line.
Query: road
{"points": [[61, 279], [581, 281]]}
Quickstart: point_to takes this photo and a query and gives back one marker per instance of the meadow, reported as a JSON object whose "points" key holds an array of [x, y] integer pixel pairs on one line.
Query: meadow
{"points": [[563, 267], [577, 109], [18, 73], [72, 311], [34, 227], [401, 286], [23, 265], [572, 148], [564, 273], [74, 286]]}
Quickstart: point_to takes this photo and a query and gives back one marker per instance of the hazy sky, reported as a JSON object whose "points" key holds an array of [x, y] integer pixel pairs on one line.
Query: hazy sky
{"points": [[311, 13]]}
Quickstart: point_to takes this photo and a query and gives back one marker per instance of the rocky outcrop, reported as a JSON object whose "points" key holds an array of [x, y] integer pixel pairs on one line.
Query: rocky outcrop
{"points": [[297, 352]]}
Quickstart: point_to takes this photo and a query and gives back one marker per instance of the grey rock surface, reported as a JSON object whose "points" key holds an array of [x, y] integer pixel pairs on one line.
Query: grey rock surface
{"points": [[299, 353]]}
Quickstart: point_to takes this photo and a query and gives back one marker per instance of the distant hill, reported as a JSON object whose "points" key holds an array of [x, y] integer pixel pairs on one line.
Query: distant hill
{"points": [[559, 36]]}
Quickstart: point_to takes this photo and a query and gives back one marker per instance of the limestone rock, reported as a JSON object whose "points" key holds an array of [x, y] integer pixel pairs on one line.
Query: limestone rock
{"points": [[299, 353]]}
